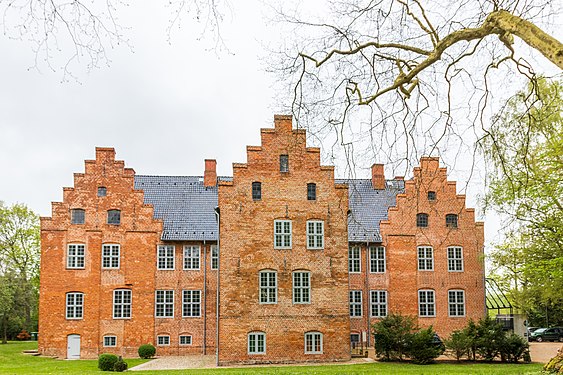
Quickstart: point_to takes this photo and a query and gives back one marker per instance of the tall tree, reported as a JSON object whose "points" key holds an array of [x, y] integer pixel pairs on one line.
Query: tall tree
{"points": [[410, 77], [19, 257], [525, 148]]}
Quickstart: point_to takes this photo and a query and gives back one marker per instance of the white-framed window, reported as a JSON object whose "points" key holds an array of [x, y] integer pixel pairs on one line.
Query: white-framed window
{"points": [[110, 256], [191, 257], [456, 302], [282, 234], [214, 257], [191, 303], [455, 259], [315, 234], [376, 259], [426, 303], [354, 263], [165, 257], [301, 287], [256, 343], [163, 340], [75, 255], [268, 286], [122, 304], [110, 341], [164, 304], [378, 303], [355, 303], [185, 339], [74, 305], [313, 343], [425, 258]]}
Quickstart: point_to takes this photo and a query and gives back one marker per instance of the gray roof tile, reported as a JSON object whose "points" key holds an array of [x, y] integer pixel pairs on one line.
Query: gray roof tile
{"points": [[187, 208], [184, 204]]}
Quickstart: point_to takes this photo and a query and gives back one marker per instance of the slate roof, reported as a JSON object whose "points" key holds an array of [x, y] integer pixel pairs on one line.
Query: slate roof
{"points": [[368, 207], [184, 204], [187, 208]]}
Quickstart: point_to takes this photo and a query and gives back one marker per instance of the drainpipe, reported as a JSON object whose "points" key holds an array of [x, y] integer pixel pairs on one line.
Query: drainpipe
{"points": [[204, 298], [218, 216], [368, 296]]}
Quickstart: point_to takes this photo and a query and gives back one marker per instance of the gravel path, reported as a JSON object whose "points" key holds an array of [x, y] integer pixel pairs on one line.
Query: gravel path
{"points": [[540, 351]]}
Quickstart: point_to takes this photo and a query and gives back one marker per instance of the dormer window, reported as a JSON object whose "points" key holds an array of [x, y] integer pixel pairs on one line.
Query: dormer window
{"points": [[311, 192], [256, 191], [284, 163], [451, 220], [431, 195], [422, 220], [114, 217], [77, 216], [102, 191]]}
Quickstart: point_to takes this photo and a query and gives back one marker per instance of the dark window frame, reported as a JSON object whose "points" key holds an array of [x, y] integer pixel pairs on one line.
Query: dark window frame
{"points": [[284, 163], [102, 191], [256, 191], [431, 195], [114, 217], [311, 191], [422, 220], [75, 218], [452, 220]]}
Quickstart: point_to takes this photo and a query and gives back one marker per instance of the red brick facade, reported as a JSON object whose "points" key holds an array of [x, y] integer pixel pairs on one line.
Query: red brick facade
{"points": [[294, 295]]}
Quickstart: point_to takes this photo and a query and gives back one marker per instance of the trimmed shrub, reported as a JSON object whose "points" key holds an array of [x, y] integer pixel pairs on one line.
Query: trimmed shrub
{"points": [[513, 348], [393, 335], [458, 345], [147, 351], [106, 361], [424, 349], [120, 365], [490, 338]]}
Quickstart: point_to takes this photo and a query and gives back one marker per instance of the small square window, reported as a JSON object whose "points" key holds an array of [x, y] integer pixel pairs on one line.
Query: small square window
{"points": [[102, 191], [114, 217], [110, 341], [163, 340], [77, 216], [431, 195], [185, 340], [422, 220], [284, 163], [451, 220], [311, 192], [256, 191]]}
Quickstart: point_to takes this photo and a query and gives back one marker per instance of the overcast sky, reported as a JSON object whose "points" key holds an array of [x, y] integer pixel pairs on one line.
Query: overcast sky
{"points": [[164, 107]]}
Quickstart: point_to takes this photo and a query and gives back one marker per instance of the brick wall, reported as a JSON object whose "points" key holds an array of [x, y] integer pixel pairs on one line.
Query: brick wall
{"points": [[247, 236]]}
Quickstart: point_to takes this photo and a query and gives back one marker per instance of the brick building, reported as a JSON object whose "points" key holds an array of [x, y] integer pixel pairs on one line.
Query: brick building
{"points": [[306, 263]]}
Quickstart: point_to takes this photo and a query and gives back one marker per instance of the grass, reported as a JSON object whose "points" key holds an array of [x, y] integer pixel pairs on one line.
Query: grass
{"points": [[12, 361]]}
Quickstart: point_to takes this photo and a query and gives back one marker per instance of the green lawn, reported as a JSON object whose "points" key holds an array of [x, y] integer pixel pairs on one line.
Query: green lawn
{"points": [[12, 361]]}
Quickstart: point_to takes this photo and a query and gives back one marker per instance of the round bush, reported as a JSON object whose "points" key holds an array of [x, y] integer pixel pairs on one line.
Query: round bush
{"points": [[120, 365], [107, 361], [146, 351]]}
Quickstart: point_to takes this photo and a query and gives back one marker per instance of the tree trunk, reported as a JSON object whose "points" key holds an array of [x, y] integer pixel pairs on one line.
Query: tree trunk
{"points": [[5, 329], [532, 35]]}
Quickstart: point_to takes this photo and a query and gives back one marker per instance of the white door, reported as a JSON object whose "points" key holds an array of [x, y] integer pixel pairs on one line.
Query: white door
{"points": [[73, 347]]}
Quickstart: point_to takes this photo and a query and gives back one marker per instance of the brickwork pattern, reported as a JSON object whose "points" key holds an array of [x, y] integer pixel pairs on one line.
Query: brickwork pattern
{"points": [[247, 247]]}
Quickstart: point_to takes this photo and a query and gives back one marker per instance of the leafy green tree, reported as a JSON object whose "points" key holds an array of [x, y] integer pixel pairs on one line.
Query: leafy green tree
{"points": [[458, 345], [423, 350], [19, 266], [525, 148]]}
